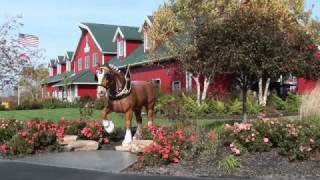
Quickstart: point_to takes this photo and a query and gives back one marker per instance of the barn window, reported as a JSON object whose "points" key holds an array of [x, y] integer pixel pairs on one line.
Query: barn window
{"points": [[157, 83], [79, 64], [121, 50], [95, 59], [176, 85], [87, 63], [146, 41]]}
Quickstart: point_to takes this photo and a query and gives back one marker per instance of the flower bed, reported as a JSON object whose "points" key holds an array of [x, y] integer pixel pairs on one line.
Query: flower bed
{"points": [[170, 145], [27, 137], [297, 140]]}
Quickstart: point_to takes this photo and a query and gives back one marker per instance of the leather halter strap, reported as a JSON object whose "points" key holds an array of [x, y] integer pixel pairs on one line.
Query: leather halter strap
{"points": [[126, 90]]}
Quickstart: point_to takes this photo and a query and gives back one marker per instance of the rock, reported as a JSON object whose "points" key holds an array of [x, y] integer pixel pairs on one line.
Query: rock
{"points": [[140, 145], [136, 146], [82, 145], [67, 139]]}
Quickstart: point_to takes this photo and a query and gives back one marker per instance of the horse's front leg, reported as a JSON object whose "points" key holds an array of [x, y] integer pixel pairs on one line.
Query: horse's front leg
{"points": [[107, 124], [128, 136]]}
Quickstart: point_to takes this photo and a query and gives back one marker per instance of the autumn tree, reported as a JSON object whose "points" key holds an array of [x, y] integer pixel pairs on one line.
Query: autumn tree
{"points": [[32, 77], [177, 28], [259, 41]]}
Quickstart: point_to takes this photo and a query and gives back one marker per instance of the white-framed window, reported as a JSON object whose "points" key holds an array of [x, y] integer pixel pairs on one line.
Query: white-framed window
{"points": [[121, 48], [157, 83], [51, 72], [176, 85], [146, 42], [87, 62], [95, 59], [59, 69], [68, 65], [79, 64]]}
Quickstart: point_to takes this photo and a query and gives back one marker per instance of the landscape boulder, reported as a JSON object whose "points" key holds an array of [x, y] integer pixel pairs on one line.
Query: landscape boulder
{"points": [[136, 146], [82, 145]]}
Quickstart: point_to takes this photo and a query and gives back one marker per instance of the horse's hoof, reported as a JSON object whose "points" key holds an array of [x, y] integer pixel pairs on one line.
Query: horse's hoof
{"points": [[108, 126]]}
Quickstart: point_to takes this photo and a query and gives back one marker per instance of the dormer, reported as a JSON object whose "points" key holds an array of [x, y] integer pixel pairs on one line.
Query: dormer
{"points": [[127, 40], [68, 58], [52, 67], [61, 65], [147, 24]]}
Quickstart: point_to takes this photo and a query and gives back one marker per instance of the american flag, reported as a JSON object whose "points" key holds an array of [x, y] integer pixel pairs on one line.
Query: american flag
{"points": [[28, 40]]}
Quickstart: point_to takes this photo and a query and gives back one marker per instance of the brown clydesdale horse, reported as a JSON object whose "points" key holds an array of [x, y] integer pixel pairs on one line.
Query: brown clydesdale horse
{"points": [[125, 97]]}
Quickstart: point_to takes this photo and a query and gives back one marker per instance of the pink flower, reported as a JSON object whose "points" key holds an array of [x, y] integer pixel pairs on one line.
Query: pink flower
{"points": [[232, 145], [237, 151], [192, 138], [175, 160], [4, 148], [23, 134], [176, 153], [106, 140], [265, 140], [166, 156]]}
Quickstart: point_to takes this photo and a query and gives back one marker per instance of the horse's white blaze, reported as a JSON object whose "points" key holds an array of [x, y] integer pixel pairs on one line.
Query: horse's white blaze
{"points": [[108, 126], [100, 74], [127, 137]]}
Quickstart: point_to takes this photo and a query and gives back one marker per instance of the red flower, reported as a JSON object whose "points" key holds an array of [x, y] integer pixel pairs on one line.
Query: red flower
{"points": [[23, 134], [180, 134], [4, 148], [176, 152]]}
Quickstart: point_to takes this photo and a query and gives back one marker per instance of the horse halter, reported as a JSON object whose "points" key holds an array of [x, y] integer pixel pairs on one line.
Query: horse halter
{"points": [[126, 90]]}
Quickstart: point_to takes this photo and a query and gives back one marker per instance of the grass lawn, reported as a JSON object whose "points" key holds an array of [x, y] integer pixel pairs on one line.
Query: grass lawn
{"points": [[74, 113], [67, 113]]}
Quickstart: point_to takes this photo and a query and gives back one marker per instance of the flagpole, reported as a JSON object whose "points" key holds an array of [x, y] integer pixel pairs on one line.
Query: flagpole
{"points": [[18, 95]]}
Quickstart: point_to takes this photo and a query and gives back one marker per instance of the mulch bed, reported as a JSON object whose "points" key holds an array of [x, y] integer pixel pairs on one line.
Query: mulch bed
{"points": [[268, 164]]}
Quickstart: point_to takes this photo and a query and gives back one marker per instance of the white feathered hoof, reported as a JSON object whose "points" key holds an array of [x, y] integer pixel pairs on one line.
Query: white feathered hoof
{"points": [[127, 138], [108, 126]]}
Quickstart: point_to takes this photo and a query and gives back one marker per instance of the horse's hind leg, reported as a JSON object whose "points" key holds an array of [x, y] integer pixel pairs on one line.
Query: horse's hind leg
{"points": [[150, 108], [137, 135]]}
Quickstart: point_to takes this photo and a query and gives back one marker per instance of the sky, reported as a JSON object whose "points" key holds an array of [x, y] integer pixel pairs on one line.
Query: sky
{"points": [[56, 22]]}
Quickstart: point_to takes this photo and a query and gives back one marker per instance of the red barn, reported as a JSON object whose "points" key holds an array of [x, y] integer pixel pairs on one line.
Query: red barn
{"points": [[73, 75]]}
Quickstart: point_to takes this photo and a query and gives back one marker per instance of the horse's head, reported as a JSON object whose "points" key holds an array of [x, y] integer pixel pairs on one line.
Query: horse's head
{"points": [[105, 75], [111, 78]]}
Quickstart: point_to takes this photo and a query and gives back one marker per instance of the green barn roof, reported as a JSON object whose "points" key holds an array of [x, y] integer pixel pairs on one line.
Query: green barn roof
{"points": [[103, 33], [131, 33]]}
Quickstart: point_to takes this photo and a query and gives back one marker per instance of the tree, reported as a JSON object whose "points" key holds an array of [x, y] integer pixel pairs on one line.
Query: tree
{"points": [[288, 14], [259, 41], [32, 78], [13, 55], [177, 28]]}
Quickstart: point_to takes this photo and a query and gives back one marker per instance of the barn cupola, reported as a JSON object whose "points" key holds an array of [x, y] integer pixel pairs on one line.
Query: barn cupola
{"points": [[127, 39]]}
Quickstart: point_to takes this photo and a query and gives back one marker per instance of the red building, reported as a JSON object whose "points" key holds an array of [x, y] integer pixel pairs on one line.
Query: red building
{"points": [[73, 75]]}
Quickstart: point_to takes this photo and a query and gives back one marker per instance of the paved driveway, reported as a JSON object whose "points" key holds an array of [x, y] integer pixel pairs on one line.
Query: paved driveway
{"points": [[10, 170]]}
